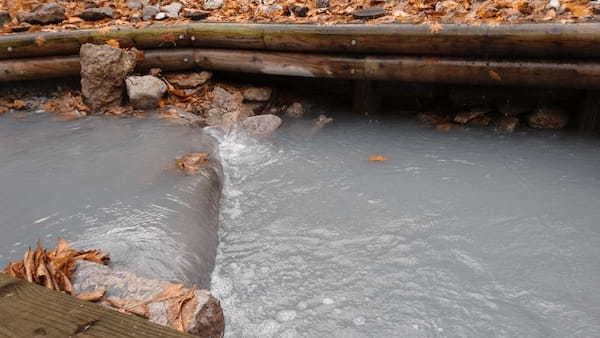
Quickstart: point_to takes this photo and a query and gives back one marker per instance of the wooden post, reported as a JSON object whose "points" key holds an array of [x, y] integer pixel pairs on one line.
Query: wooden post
{"points": [[365, 99], [589, 115], [30, 310]]}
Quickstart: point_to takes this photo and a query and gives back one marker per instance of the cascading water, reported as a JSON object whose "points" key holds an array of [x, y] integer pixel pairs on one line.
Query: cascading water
{"points": [[470, 233], [110, 184]]}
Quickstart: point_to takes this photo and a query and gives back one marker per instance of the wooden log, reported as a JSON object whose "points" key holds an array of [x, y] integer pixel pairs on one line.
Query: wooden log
{"points": [[545, 40], [545, 73], [30, 310]]}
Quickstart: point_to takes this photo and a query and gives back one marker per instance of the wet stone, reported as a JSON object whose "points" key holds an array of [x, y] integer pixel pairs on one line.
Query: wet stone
{"points": [[96, 14], [261, 125], [43, 14], [369, 13], [465, 116], [507, 124], [295, 110]]}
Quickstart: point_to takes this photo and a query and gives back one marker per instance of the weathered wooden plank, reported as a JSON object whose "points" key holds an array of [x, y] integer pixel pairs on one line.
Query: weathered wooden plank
{"points": [[547, 73], [29, 310], [545, 40]]}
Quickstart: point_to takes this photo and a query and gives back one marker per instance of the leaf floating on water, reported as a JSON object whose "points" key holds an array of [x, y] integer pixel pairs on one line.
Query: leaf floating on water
{"points": [[377, 158], [190, 163]]}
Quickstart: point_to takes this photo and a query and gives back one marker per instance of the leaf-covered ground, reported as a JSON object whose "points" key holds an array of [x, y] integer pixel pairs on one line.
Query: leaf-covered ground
{"points": [[307, 11]]}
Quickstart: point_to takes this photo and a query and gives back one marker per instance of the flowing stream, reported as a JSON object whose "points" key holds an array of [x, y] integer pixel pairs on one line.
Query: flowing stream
{"points": [[464, 234]]}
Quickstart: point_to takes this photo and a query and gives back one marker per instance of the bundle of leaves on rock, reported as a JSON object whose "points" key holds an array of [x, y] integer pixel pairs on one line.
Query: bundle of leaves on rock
{"points": [[53, 268]]}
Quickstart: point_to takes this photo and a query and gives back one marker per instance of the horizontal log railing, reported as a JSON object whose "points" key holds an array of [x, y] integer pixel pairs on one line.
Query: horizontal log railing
{"points": [[529, 72], [543, 40]]}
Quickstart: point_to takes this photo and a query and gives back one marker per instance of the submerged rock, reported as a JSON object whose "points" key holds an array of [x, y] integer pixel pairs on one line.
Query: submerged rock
{"points": [[295, 110], [465, 116], [433, 118], [446, 127], [261, 125], [548, 118], [322, 120], [44, 14], [482, 121], [507, 124], [145, 91], [226, 108], [259, 94], [96, 14], [103, 72]]}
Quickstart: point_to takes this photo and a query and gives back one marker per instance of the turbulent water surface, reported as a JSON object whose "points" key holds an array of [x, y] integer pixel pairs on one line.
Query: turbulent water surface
{"points": [[109, 184], [470, 233]]}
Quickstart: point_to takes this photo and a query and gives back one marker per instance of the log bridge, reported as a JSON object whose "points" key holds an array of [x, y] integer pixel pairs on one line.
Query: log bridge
{"points": [[541, 54]]}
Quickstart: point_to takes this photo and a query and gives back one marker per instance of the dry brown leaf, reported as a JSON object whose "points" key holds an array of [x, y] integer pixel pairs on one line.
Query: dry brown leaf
{"points": [[94, 296], [18, 105], [494, 75], [377, 158], [113, 43], [190, 163], [130, 306]]}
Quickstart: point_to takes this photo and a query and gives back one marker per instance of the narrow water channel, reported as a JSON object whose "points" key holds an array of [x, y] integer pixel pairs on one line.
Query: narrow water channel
{"points": [[469, 233]]}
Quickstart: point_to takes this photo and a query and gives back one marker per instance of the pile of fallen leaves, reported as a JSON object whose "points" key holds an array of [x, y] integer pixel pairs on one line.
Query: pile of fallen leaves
{"points": [[8, 105], [338, 11], [69, 106], [53, 268]]}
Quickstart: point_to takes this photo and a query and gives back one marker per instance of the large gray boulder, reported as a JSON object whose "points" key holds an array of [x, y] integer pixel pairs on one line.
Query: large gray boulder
{"points": [[103, 72], [145, 91], [261, 125], [44, 14]]}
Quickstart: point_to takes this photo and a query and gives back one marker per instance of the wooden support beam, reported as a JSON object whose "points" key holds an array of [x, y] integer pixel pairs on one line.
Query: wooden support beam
{"points": [[545, 73], [30, 310], [365, 99], [543, 40], [589, 114]]}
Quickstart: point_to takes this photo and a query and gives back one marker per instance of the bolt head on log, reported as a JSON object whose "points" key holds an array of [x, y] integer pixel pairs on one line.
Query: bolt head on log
{"points": [[103, 72]]}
